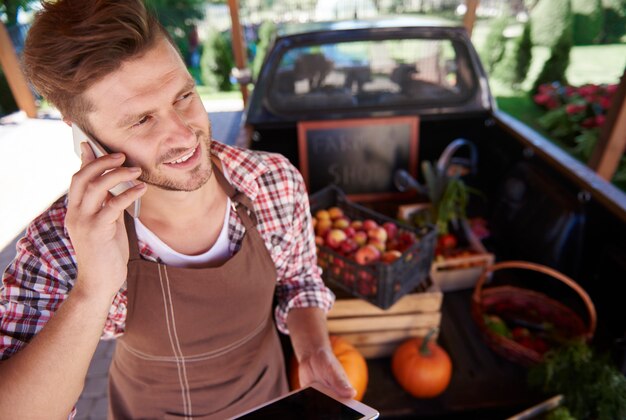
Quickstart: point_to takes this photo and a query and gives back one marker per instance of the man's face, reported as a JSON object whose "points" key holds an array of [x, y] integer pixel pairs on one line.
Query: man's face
{"points": [[149, 110]]}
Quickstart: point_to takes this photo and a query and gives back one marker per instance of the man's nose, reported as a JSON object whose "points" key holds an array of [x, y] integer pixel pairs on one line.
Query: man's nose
{"points": [[178, 129]]}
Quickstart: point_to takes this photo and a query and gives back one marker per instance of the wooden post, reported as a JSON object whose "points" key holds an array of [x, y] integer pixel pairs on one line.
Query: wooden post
{"points": [[238, 44], [17, 82], [612, 140], [470, 15]]}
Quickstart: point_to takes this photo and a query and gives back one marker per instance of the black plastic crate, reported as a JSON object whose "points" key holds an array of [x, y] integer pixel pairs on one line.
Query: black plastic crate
{"points": [[381, 284]]}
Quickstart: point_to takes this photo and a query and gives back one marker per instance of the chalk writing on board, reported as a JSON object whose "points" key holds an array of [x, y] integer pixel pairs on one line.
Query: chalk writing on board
{"points": [[359, 156]]}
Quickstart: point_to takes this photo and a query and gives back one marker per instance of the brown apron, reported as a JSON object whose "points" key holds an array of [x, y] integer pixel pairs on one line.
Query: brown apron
{"points": [[199, 343]]}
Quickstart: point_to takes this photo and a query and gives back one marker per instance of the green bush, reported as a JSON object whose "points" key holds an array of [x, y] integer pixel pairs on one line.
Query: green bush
{"points": [[266, 33], [495, 44], [516, 62], [549, 19], [523, 55], [555, 67], [588, 19], [217, 62], [614, 20]]}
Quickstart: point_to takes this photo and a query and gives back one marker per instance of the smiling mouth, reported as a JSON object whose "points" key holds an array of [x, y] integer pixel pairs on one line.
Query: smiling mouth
{"points": [[184, 158]]}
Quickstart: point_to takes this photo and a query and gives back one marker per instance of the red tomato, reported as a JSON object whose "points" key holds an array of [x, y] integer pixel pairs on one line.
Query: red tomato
{"points": [[447, 241]]}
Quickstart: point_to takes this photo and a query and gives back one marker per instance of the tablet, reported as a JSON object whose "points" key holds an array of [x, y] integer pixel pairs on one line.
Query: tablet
{"points": [[312, 402]]}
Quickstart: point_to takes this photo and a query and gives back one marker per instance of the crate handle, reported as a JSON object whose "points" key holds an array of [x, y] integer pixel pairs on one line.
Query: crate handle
{"points": [[476, 297]]}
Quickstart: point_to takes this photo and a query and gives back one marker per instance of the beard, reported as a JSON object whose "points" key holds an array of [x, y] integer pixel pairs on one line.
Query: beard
{"points": [[195, 179]]}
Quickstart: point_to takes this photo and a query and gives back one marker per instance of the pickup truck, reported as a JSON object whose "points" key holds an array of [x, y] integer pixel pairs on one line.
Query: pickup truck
{"points": [[541, 204]]}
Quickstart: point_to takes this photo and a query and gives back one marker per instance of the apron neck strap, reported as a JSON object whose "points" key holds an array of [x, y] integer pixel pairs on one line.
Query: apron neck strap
{"points": [[237, 198], [240, 202], [133, 243]]}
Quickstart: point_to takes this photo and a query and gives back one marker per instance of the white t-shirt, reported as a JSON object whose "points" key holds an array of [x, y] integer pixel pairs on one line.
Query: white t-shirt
{"points": [[215, 256]]}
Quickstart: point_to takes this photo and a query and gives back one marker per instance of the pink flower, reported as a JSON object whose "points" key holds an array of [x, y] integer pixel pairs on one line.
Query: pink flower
{"points": [[575, 108], [552, 103], [546, 88], [600, 120], [589, 122], [611, 89], [541, 98], [588, 90], [604, 102]]}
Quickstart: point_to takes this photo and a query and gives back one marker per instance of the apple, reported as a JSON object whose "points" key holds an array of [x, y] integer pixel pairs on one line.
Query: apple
{"points": [[380, 245], [322, 215], [378, 233], [390, 256], [391, 228], [357, 224], [360, 237], [366, 284], [319, 241], [407, 238], [348, 246], [369, 224], [335, 237], [335, 213], [323, 226], [367, 254], [350, 231], [341, 222]]}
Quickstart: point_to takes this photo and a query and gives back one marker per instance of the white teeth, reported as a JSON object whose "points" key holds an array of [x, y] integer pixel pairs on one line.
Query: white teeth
{"points": [[184, 158]]}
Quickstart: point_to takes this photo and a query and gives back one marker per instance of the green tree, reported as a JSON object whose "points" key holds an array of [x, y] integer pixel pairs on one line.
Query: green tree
{"points": [[550, 19], [216, 62], [10, 9], [588, 20], [523, 55], [178, 17], [614, 20], [266, 33], [495, 44], [555, 67]]}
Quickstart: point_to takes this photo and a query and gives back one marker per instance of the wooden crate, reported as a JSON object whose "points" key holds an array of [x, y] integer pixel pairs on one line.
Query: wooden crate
{"points": [[453, 273], [376, 332], [461, 272]]}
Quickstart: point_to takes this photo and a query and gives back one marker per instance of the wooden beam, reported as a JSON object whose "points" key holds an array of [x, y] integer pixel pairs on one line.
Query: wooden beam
{"points": [[612, 140], [470, 15], [238, 44], [17, 82]]}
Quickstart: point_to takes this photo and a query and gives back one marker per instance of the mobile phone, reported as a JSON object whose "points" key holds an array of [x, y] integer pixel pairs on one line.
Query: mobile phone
{"points": [[312, 402], [99, 151]]}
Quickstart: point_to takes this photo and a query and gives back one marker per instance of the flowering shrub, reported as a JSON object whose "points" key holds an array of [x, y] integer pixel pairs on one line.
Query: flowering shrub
{"points": [[574, 114], [574, 117]]}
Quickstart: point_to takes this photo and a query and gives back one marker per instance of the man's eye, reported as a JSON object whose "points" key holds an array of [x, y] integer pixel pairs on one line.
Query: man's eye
{"points": [[185, 96], [142, 121]]}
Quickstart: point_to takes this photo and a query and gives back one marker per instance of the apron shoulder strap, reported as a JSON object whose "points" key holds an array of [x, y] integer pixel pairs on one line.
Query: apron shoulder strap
{"points": [[133, 242], [240, 202]]}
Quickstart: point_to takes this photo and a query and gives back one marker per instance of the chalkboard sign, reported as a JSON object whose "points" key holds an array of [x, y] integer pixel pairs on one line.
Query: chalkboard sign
{"points": [[360, 156]]}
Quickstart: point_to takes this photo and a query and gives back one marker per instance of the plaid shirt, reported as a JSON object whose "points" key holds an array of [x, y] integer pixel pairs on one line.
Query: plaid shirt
{"points": [[35, 284]]}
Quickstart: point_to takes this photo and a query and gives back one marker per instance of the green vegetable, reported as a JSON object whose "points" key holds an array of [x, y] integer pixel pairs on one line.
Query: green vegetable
{"points": [[497, 325], [591, 386]]}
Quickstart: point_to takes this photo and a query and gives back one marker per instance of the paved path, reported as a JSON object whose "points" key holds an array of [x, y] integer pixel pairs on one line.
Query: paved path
{"points": [[37, 164]]}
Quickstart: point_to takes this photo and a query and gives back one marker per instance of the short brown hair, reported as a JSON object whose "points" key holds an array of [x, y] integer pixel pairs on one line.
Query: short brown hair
{"points": [[74, 43]]}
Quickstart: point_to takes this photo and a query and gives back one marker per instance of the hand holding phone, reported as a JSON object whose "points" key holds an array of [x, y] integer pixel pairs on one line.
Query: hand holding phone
{"points": [[99, 151]]}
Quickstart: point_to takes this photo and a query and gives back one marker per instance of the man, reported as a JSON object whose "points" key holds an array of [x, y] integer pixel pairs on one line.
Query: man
{"points": [[188, 285]]}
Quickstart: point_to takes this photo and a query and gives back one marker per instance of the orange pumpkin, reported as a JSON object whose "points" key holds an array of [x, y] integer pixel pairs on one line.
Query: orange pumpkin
{"points": [[350, 359], [421, 367]]}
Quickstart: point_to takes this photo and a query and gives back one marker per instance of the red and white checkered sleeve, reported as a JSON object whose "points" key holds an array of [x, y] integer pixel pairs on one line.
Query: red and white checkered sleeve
{"points": [[35, 283], [300, 284]]}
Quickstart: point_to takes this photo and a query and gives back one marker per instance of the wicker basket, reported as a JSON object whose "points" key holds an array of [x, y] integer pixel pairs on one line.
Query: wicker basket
{"points": [[496, 298]]}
